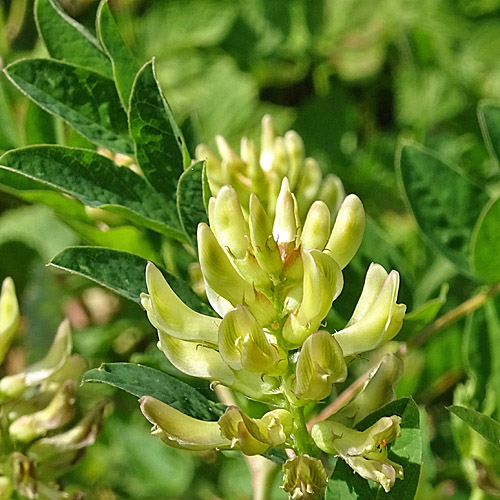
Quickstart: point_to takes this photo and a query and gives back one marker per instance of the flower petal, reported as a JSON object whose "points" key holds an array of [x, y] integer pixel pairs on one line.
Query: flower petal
{"points": [[174, 317], [179, 430]]}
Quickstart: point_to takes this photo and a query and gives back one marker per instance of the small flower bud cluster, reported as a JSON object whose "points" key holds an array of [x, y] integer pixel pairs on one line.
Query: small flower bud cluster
{"points": [[37, 405], [271, 276], [261, 172]]}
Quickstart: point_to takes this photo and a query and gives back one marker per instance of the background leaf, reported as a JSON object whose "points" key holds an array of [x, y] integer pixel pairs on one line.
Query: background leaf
{"points": [[122, 272], [485, 246], [144, 381], [190, 199], [484, 425], [124, 67], [444, 202], [68, 40], [160, 147], [86, 100], [95, 181], [489, 119]]}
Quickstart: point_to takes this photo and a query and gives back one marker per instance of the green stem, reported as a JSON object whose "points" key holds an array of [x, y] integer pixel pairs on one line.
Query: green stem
{"points": [[300, 434]]}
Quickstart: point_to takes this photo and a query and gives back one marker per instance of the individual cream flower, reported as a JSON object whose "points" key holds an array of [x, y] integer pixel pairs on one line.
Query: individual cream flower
{"points": [[377, 317], [365, 452], [233, 430], [304, 477], [254, 436], [320, 364]]}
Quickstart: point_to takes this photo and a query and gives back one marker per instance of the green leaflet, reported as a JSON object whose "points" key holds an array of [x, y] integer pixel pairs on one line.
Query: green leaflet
{"points": [[95, 181], [444, 202], [191, 193], [160, 148], [406, 450], [124, 67], [122, 272], [86, 100], [68, 40], [485, 247], [489, 119], [125, 238], [144, 381], [484, 425]]}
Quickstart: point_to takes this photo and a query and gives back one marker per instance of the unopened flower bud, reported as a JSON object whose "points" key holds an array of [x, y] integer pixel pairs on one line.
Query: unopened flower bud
{"points": [[309, 185], [322, 284], [58, 413], [179, 430], [228, 154], [377, 391], [267, 142], [285, 224], [81, 435], [13, 385], [365, 452], [304, 477], [332, 193], [377, 317], [261, 235], [9, 315], [218, 271], [213, 166], [319, 366], [171, 316], [295, 148], [228, 223], [255, 436], [244, 345], [347, 231], [316, 227]]}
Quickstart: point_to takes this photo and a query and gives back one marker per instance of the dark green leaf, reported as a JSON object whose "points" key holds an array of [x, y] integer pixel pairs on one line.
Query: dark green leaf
{"points": [[68, 40], [444, 202], [190, 199], [489, 119], [124, 67], [484, 425], [485, 246], [122, 272], [125, 238], [346, 485], [406, 450], [144, 381], [95, 181], [86, 100], [160, 148]]}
